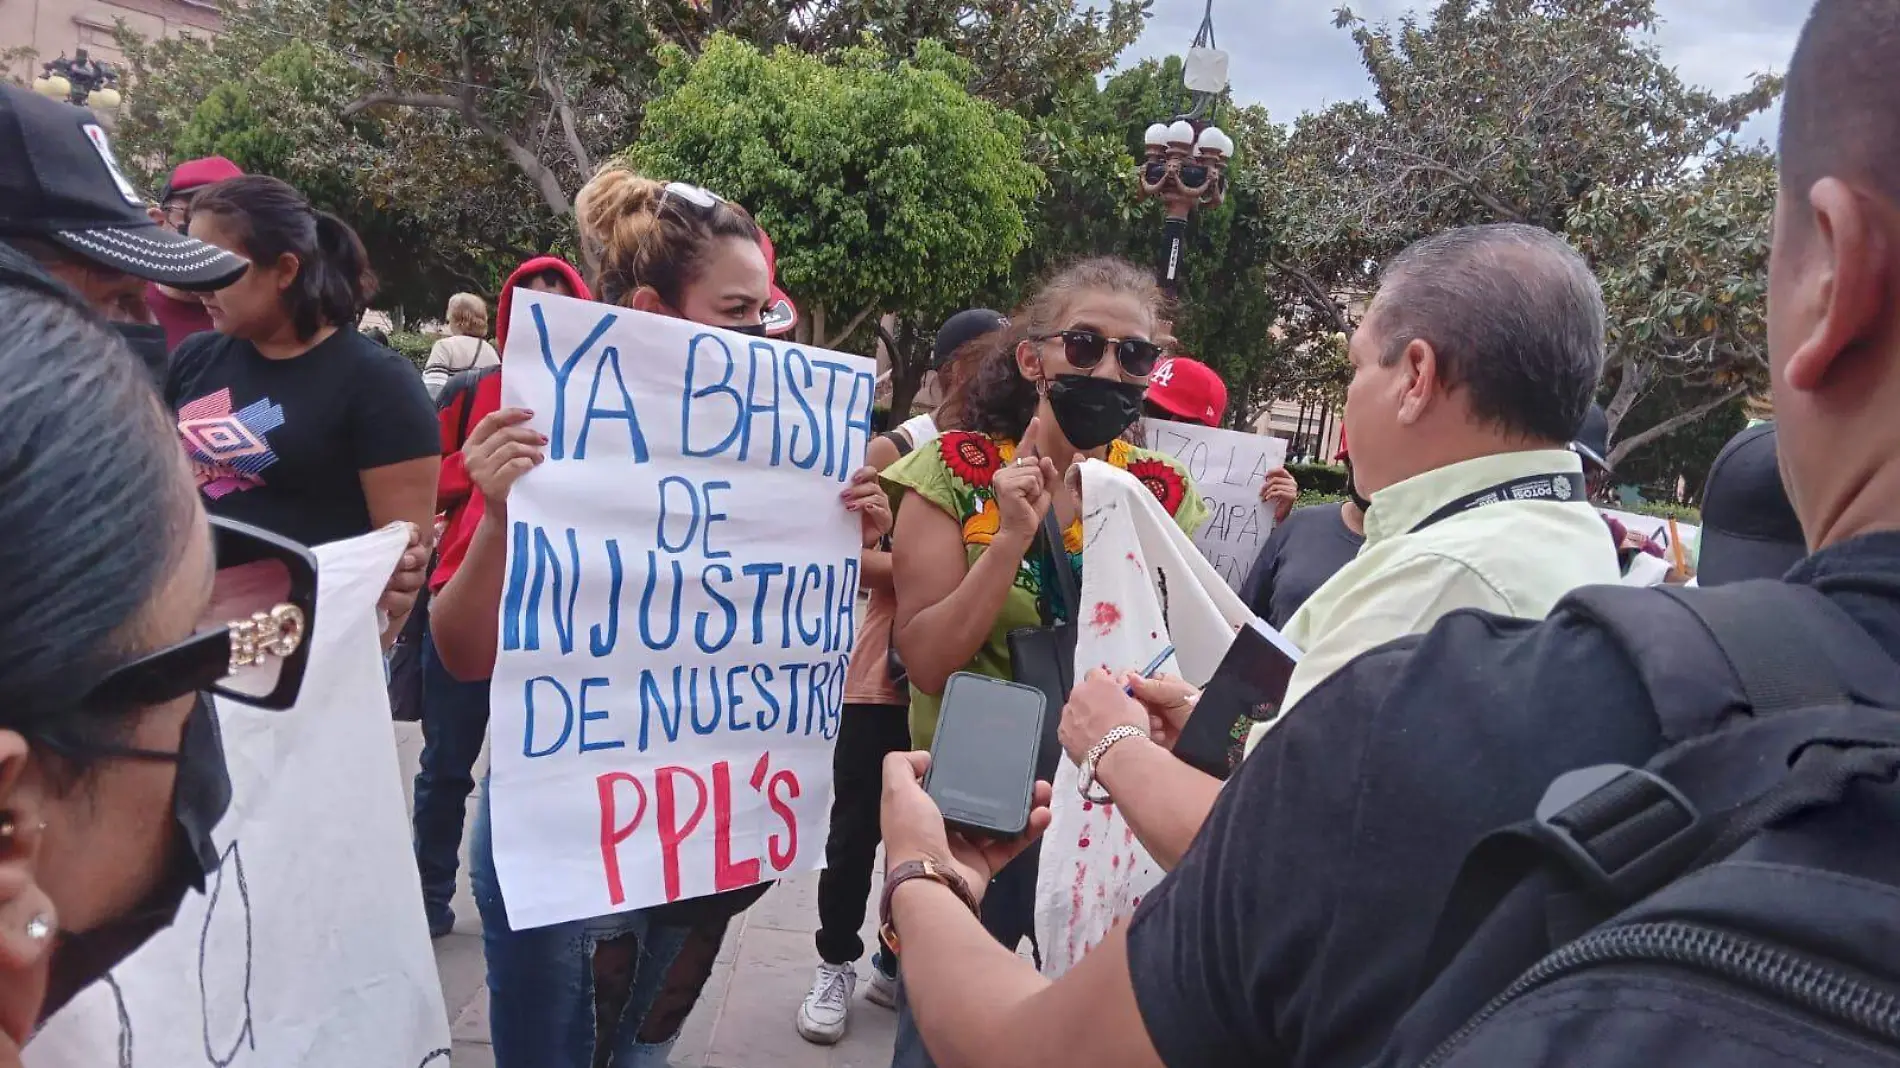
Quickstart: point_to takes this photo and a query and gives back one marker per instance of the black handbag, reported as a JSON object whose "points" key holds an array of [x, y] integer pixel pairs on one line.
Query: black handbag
{"points": [[405, 661], [894, 663], [1044, 657]]}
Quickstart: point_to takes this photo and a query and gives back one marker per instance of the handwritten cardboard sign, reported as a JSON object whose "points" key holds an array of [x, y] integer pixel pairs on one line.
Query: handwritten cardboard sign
{"points": [[1229, 468], [678, 612]]}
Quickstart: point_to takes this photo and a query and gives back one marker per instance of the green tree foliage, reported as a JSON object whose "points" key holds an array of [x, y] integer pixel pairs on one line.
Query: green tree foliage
{"points": [[1684, 267], [469, 124], [1020, 52], [885, 185], [1558, 113]]}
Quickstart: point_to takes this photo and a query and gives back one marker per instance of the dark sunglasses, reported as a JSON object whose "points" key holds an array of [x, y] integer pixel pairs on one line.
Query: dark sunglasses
{"points": [[252, 644], [1085, 348]]}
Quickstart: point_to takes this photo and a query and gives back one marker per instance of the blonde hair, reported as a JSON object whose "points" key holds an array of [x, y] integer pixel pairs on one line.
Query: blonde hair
{"points": [[1760, 407], [633, 234], [468, 315]]}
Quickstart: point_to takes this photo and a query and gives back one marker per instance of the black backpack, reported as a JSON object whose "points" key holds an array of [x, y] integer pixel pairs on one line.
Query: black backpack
{"points": [[1733, 904]]}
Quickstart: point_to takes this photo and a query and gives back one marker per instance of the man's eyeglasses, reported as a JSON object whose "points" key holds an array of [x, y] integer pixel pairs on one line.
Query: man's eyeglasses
{"points": [[253, 643], [1085, 348]]}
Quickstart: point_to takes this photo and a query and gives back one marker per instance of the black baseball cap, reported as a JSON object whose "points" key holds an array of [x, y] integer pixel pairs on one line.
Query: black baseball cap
{"points": [[961, 329], [1749, 529], [59, 182]]}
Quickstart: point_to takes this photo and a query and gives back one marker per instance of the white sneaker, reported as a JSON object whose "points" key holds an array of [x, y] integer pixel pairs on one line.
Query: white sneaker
{"points": [[883, 988], [821, 1019]]}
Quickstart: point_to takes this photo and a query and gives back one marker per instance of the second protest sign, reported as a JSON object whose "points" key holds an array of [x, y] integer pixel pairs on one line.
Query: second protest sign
{"points": [[678, 612], [1229, 468]]}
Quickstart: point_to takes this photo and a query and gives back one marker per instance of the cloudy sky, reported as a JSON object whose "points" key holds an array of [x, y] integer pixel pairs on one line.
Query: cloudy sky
{"points": [[1287, 55]]}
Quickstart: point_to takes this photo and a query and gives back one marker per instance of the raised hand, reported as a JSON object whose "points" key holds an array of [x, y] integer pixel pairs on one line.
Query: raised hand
{"points": [[1280, 490], [501, 449], [1025, 489]]}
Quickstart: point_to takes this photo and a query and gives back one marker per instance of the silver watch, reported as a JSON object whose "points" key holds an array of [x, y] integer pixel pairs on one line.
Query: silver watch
{"points": [[1085, 785]]}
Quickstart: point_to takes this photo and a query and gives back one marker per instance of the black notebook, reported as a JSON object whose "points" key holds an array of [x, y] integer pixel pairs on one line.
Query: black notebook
{"points": [[1247, 688]]}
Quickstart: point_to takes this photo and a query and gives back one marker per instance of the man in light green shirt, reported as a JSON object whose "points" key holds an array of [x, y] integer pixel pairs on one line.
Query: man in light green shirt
{"points": [[1472, 371], [1515, 558], [1455, 396]]}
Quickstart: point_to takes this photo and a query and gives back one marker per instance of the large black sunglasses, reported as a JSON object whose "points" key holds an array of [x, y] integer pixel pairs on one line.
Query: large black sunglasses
{"points": [[1085, 348], [252, 644]]}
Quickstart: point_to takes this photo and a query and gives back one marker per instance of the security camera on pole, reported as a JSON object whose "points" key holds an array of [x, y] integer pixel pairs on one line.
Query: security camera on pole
{"points": [[1187, 159]]}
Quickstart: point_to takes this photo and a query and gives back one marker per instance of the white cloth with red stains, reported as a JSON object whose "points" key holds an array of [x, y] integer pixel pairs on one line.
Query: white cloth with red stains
{"points": [[1144, 587]]}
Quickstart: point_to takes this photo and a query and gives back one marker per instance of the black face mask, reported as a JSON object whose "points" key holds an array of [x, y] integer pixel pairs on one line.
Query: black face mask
{"points": [[1092, 412], [753, 330], [148, 344], [199, 798], [1352, 490]]}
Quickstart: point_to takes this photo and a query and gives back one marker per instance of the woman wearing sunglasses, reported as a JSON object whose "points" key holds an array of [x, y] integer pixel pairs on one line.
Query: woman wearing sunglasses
{"points": [[616, 989], [1061, 384], [120, 608]]}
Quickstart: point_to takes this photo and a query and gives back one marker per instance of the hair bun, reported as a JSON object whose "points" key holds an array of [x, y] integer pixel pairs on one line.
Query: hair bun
{"points": [[618, 212]]}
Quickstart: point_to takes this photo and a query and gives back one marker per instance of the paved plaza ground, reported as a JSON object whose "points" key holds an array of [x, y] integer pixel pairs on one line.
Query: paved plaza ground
{"points": [[745, 1018]]}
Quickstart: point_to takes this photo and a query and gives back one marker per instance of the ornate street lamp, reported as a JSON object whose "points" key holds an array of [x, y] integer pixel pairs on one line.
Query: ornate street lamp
{"points": [[80, 80], [1187, 159]]}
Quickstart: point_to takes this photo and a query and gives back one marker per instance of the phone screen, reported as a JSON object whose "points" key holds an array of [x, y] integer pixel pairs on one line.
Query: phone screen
{"points": [[983, 759]]}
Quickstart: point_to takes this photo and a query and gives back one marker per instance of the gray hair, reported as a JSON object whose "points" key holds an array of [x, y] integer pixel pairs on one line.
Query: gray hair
{"points": [[1514, 316]]}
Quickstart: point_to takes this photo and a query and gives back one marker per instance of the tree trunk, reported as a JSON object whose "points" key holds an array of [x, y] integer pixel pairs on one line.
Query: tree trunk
{"points": [[1630, 387], [816, 321], [1670, 425], [907, 373]]}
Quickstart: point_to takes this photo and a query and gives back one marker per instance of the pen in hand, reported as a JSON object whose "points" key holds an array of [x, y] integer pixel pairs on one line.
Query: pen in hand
{"points": [[1153, 666]]}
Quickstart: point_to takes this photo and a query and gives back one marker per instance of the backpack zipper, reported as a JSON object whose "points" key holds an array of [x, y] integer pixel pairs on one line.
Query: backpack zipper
{"points": [[1827, 991]]}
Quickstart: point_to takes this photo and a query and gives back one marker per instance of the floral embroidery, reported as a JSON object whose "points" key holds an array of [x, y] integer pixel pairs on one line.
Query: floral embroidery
{"points": [[1163, 480], [972, 458], [981, 528]]}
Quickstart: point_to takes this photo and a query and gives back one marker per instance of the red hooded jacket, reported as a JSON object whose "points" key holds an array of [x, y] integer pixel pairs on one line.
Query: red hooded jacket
{"points": [[455, 494]]}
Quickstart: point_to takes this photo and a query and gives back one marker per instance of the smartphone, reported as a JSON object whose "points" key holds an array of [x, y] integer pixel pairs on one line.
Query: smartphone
{"points": [[983, 760]]}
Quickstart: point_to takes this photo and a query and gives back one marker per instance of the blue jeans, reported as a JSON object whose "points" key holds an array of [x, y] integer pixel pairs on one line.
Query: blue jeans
{"points": [[542, 983], [454, 722]]}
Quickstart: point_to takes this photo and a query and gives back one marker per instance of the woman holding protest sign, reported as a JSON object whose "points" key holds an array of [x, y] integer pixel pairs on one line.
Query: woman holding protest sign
{"points": [[1060, 385], [112, 634], [613, 989]]}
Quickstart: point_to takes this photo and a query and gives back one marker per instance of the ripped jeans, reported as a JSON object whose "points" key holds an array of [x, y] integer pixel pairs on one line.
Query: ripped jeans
{"points": [[608, 992]]}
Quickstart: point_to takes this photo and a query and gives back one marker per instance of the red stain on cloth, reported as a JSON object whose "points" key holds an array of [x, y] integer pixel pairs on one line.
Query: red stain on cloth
{"points": [[1105, 619]]}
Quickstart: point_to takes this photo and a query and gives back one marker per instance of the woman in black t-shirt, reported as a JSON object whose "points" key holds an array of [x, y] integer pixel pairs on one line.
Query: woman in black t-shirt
{"points": [[292, 420]]}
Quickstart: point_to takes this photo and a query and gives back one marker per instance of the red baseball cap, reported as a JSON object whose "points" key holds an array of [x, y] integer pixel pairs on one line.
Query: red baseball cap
{"points": [[1190, 389], [781, 316], [196, 174]]}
